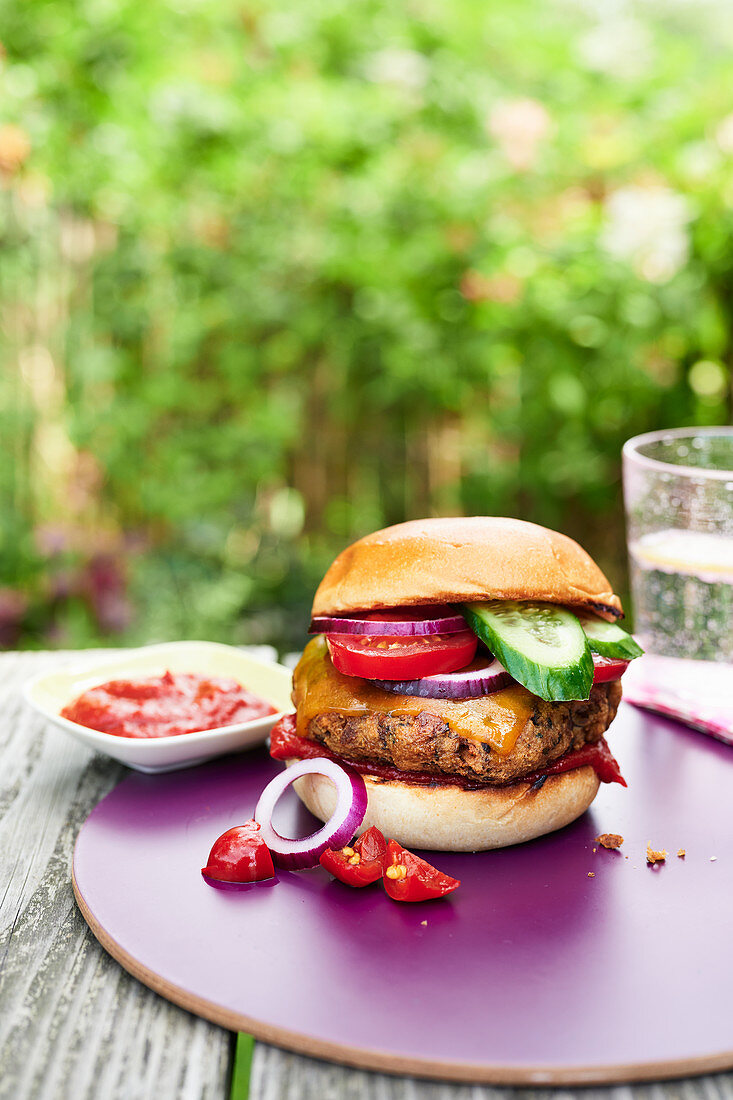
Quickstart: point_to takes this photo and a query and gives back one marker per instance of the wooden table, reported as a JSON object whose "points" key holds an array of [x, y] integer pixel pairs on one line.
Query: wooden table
{"points": [[72, 1022]]}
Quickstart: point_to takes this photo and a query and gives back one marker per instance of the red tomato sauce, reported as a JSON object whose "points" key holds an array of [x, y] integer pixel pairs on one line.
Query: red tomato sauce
{"points": [[161, 706]]}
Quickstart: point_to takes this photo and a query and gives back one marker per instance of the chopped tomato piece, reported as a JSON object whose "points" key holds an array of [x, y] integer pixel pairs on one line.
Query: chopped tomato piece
{"points": [[407, 877], [607, 668], [240, 855], [359, 864], [371, 846], [384, 657]]}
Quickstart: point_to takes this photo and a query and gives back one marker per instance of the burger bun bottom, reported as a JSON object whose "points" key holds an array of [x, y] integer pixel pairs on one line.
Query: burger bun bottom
{"points": [[451, 819]]}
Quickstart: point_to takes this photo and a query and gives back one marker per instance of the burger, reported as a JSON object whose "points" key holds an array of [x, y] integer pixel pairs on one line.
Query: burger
{"points": [[468, 668]]}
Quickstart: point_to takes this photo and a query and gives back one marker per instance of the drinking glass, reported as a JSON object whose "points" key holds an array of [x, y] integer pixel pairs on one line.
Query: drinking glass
{"points": [[678, 492]]}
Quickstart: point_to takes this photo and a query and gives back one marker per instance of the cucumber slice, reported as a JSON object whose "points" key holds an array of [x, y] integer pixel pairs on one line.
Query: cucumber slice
{"points": [[542, 646], [609, 639]]}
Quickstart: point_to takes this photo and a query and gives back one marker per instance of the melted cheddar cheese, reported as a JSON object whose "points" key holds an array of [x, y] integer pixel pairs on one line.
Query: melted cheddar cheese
{"points": [[496, 719]]}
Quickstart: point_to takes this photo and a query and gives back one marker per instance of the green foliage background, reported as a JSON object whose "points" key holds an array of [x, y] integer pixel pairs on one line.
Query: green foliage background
{"points": [[273, 275]]}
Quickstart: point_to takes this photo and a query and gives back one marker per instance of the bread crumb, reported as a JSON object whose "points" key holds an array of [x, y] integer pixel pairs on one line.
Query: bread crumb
{"points": [[424, 922], [681, 853], [654, 855], [595, 850], [591, 874], [610, 840]]}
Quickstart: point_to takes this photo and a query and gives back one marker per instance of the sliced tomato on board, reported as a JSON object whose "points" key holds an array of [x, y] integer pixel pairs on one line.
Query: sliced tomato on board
{"points": [[607, 668], [384, 657]]}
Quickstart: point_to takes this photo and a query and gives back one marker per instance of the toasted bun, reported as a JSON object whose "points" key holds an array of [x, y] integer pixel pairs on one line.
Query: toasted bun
{"points": [[473, 558], [449, 819]]}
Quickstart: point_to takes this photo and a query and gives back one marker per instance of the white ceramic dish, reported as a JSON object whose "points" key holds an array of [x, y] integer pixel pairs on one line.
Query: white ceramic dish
{"points": [[49, 693]]}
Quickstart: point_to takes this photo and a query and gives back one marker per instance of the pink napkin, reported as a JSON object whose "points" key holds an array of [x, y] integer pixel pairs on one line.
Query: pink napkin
{"points": [[698, 693]]}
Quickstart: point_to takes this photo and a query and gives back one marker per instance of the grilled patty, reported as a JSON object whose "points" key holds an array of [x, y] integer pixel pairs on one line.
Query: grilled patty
{"points": [[424, 742]]}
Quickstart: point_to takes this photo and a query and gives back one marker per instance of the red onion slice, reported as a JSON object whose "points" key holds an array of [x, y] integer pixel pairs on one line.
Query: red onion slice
{"points": [[396, 627], [482, 677], [351, 805]]}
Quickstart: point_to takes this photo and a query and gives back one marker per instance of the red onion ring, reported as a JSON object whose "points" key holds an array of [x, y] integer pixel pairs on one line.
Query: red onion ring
{"points": [[332, 624], [351, 805], [482, 677]]}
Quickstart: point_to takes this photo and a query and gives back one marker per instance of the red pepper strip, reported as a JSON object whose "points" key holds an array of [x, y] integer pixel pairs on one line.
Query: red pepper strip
{"points": [[285, 744], [359, 864], [598, 755], [409, 878], [240, 855]]}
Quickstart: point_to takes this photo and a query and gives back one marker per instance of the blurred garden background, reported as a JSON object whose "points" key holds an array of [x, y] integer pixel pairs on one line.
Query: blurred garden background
{"points": [[275, 275]]}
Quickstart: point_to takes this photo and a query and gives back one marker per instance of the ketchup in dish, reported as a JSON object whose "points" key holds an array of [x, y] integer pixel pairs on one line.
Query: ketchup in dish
{"points": [[161, 706]]}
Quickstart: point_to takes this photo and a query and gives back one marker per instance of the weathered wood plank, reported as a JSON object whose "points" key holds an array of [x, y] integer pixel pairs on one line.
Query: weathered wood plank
{"points": [[278, 1075]]}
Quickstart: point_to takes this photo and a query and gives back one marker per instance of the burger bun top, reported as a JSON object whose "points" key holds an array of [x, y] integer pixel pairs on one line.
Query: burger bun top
{"points": [[453, 560]]}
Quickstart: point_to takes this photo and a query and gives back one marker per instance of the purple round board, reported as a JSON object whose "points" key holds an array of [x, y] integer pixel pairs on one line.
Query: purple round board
{"points": [[532, 972]]}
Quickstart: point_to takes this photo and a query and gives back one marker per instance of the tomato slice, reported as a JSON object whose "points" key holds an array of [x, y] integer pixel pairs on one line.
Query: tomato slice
{"points": [[384, 657], [607, 668]]}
